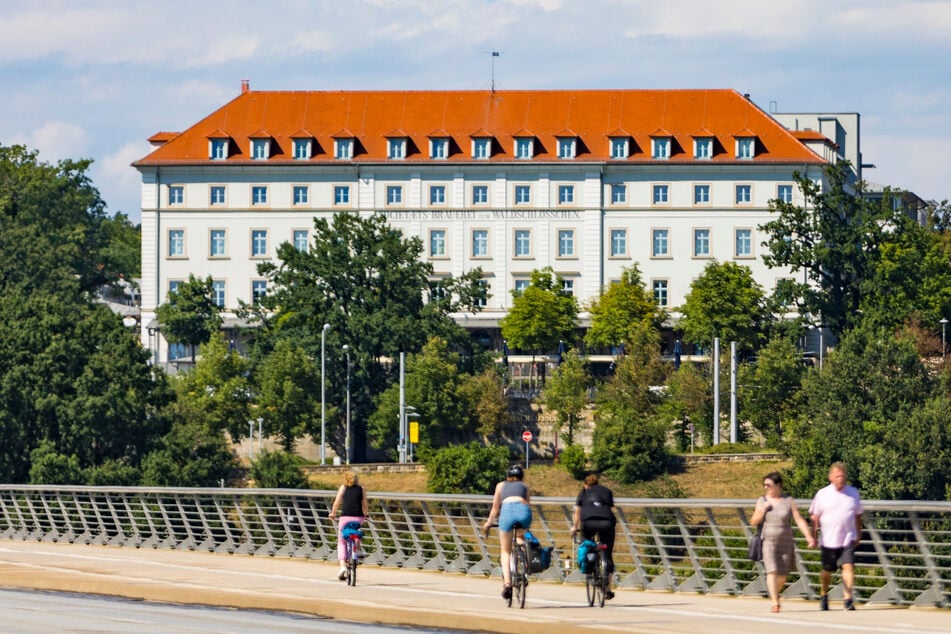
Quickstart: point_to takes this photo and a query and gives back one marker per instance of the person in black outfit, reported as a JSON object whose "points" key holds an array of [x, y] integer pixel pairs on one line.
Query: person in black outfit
{"points": [[594, 514], [350, 505]]}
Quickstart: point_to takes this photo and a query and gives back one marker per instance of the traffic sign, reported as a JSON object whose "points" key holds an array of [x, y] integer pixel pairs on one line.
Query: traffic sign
{"points": [[527, 436]]}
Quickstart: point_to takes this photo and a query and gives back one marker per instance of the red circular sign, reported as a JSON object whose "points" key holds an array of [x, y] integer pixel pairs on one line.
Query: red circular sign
{"points": [[527, 436]]}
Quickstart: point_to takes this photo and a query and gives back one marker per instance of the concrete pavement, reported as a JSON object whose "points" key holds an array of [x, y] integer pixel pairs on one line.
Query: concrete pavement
{"points": [[419, 598]]}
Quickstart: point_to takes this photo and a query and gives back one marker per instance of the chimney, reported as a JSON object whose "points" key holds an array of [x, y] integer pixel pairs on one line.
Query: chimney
{"points": [[245, 85]]}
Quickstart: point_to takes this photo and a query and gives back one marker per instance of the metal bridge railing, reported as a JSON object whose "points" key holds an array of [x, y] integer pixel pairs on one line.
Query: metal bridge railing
{"points": [[662, 544]]}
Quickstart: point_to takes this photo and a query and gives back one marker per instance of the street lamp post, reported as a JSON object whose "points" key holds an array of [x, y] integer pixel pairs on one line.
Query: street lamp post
{"points": [[346, 349], [944, 325], [323, 393], [818, 328]]}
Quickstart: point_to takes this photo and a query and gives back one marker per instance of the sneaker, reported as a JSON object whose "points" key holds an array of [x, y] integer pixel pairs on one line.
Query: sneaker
{"points": [[608, 595], [342, 574], [506, 592], [824, 602], [849, 605]]}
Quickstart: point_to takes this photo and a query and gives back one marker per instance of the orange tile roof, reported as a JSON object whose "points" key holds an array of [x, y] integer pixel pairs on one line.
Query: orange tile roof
{"points": [[592, 115]]}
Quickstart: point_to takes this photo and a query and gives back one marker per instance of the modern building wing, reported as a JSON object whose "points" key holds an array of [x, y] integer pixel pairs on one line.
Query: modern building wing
{"points": [[587, 182]]}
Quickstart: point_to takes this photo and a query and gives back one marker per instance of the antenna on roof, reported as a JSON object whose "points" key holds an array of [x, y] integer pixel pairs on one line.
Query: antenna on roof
{"points": [[493, 55]]}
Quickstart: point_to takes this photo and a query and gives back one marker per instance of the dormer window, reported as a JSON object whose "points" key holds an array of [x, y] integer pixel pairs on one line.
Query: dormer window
{"points": [[396, 148], [260, 149], [566, 147], [343, 149], [703, 148], [439, 148], [619, 147], [302, 149], [660, 147], [524, 147], [218, 149], [482, 148], [745, 147]]}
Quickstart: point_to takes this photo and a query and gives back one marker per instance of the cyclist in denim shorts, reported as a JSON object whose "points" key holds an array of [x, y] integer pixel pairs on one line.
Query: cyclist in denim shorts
{"points": [[510, 504]]}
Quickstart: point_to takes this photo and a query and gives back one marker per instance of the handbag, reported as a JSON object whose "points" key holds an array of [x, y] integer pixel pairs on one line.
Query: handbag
{"points": [[755, 551]]}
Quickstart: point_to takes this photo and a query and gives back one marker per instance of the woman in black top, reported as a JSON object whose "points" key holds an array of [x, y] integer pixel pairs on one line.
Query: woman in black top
{"points": [[594, 514], [351, 506]]}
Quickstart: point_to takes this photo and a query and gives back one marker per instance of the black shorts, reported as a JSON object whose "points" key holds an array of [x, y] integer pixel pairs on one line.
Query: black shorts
{"points": [[834, 558]]}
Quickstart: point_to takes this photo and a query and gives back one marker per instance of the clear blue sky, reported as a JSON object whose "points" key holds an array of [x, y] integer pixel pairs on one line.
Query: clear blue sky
{"points": [[94, 79]]}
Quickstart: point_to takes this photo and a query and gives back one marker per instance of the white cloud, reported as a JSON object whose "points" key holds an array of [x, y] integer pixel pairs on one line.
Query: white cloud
{"points": [[55, 140], [118, 182]]}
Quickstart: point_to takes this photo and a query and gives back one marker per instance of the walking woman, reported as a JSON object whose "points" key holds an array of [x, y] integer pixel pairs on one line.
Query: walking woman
{"points": [[774, 510], [510, 504], [351, 506]]}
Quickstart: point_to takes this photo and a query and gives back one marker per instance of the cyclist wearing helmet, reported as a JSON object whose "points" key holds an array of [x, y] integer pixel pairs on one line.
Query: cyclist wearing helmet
{"points": [[510, 504]]}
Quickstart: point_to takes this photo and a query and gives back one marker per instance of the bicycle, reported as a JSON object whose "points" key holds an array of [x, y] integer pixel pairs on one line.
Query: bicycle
{"points": [[352, 550], [597, 579], [518, 565]]}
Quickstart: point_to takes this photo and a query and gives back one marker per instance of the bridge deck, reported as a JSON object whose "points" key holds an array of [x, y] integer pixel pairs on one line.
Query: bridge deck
{"points": [[419, 598]]}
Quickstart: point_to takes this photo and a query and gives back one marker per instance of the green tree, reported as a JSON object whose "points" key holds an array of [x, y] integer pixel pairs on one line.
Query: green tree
{"points": [[189, 455], [190, 316], [466, 469], [288, 393], [49, 467], [725, 302], [689, 402], [541, 315], [123, 246], [619, 306], [488, 404], [279, 470], [768, 389], [566, 392]]}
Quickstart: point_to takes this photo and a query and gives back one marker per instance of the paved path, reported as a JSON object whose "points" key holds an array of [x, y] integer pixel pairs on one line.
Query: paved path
{"points": [[422, 599]]}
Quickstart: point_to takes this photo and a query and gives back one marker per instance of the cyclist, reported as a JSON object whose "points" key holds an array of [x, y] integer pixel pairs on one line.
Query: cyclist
{"points": [[351, 505], [594, 514], [510, 504]]}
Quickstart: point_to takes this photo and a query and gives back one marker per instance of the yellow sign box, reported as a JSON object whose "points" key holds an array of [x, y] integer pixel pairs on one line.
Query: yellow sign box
{"points": [[414, 432]]}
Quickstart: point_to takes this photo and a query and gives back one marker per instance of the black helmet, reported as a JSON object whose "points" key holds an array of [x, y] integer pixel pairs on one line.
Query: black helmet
{"points": [[515, 471]]}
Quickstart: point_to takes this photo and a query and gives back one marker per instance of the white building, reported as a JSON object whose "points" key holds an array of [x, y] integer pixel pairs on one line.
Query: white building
{"points": [[585, 181]]}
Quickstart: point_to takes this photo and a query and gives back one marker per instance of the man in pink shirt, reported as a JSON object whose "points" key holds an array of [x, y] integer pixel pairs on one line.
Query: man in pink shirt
{"points": [[836, 513]]}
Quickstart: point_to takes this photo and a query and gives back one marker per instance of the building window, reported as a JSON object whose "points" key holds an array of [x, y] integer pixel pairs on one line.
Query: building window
{"points": [[176, 195], [566, 243], [301, 194], [259, 243], [703, 148], [660, 247], [217, 195], [481, 148], [439, 148], [744, 243], [523, 148], [482, 302], [174, 285], [176, 243], [744, 194], [701, 243], [480, 243], [343, 149], [341, 194], [394, 195], [660, 292], [523, 194], [661, 194], [259, 149], [437, 195], [523, 243], [566, 148], [784, 194], [258, 290], [520, 286], [217, 243], [437, 291], [701, 194], [301, 149], [618, 194], [437, 243], [259, 195], [218, 293], [567, 287], [300, 239], [480, 194], [745, 148], [619, 148], [219, 149], [566, 194], [618, 242], [660, 148], [396, 148]]}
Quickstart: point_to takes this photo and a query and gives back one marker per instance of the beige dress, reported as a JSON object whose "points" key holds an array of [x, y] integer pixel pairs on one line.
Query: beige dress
{"points": [[778, 547]]}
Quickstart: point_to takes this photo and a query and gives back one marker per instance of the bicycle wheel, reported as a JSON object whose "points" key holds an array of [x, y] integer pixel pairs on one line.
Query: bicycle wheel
{"points": [[520, 580], [590, 581], [604, 580], [352, 563]]}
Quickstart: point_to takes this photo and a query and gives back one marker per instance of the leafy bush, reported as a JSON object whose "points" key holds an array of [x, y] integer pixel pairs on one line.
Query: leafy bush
{"points": [[50, 467], [471, 468], [574, 461], [728, 447], [279, 470], [114, 473]]}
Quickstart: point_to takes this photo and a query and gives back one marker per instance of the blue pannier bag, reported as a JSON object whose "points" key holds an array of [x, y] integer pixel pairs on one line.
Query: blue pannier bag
{"points": [[539, 559], [351, 529], [587, 551]]}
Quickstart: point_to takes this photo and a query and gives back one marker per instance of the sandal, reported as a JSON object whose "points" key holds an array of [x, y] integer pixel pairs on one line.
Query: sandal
{"points": [[776, 608]]}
